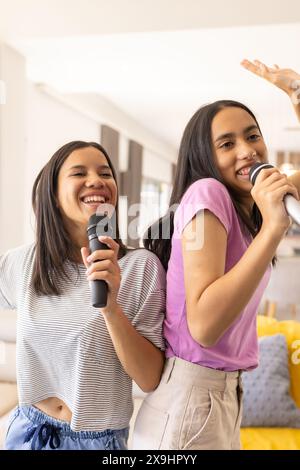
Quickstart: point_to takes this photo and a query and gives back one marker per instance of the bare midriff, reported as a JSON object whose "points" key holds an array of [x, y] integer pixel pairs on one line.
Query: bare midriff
{"points": [[55, 408]]}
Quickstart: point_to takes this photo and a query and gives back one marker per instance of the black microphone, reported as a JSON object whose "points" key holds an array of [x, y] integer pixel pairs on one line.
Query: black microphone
{"points": [[98, 225], [292, 206]]}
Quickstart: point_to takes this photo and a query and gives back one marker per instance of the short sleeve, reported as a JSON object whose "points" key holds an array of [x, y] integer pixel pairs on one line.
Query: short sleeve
{"points": [[13, 264], [7, 281], [150, 314], [209, 194]]}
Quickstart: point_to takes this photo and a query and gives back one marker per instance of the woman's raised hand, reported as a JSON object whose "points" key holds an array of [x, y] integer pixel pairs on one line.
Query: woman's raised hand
{"points": [[286, 79]]}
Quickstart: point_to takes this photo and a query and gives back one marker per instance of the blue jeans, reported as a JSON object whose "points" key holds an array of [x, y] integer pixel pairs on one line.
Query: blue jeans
{"points": [[31, 429]]}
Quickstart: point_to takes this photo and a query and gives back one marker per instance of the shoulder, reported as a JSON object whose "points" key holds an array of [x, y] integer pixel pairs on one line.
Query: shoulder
{"points": [[22, 254], [141, 264], [207, 188], [15, 266], [140, 259], [207, 193]]}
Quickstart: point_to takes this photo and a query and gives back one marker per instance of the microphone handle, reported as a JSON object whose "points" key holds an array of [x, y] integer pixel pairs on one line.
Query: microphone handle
{"points": [[98, 287], [292, 207], [291, 204]]}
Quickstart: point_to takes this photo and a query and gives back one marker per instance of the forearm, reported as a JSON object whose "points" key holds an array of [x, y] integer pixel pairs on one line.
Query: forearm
{"points": [[142, 361], [223, 301], [297, 110], [294, 94]]}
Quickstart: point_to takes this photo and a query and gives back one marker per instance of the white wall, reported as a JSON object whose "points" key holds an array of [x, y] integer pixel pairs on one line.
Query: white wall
{"points": [[53, 120], [50, 124], [12, 148], [100, 109], [35, 123]]}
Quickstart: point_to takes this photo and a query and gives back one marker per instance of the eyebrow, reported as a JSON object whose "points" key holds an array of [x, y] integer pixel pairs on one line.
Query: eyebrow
{"points": [[232, 134], [83, 167]]}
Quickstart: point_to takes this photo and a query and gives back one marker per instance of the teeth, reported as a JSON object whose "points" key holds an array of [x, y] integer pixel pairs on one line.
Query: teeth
{"points": [[244, 171], [88, 199]]}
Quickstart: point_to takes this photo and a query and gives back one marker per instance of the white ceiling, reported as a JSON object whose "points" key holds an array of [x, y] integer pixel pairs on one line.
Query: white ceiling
{"points": [[160, 60], [48, 18]]}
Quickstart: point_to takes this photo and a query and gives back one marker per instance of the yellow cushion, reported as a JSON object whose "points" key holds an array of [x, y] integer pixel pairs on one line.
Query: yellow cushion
{"points": [[278, 438], [291, 329], [270, 439]]}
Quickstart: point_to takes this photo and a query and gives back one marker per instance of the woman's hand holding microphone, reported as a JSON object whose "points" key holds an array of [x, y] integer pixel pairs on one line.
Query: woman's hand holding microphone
{"points": [[103, 265], [268, 192]]}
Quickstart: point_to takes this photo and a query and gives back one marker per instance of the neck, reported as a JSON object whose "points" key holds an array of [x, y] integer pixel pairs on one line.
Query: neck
{"points": [[247, 208], [247, 204], [79, 239]]}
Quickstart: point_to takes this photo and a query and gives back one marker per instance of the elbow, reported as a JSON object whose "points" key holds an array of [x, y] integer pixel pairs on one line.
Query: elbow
{"points": [[149, 387], [149, 379], [152, 381], [205, 341], [204, 336], [202, 329]]}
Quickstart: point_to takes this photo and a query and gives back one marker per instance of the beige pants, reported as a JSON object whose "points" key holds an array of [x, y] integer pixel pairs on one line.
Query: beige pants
{"points": [[193, 408]]}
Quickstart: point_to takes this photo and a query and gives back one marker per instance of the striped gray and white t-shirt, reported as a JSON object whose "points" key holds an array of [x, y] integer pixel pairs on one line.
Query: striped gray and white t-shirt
{"points": [[63, 347]]}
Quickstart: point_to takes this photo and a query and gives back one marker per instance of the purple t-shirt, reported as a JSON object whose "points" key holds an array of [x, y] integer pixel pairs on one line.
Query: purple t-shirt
{"points": [[237, 349]]}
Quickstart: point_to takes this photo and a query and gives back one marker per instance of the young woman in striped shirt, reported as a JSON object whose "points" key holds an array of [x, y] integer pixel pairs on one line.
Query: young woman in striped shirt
{"points": [[76, 363]]}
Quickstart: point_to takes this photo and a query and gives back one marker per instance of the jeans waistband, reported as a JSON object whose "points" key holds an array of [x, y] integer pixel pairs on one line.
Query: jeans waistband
{"points": [[36, 416]]}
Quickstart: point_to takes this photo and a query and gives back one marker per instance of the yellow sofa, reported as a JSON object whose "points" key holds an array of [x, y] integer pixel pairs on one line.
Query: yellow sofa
{"points": [[278, 438]]}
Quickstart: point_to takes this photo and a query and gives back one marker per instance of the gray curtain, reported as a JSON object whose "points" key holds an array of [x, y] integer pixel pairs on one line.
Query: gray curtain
{"points": [[294, 158], [280, 158], [131, 182], [288, 157], [110, 141]]}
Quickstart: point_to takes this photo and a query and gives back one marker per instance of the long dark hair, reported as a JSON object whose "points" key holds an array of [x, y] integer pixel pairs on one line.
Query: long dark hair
{"points": [[196, 161], [52, 243]]}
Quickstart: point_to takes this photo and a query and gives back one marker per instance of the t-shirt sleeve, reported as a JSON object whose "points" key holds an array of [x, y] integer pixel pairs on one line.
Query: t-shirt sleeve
{"points": [[150, 315], [8, 280], [209, 194]]}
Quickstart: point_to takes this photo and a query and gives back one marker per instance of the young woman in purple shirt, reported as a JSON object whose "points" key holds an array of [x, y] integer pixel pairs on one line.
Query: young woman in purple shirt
{"points": [[223, 241]]}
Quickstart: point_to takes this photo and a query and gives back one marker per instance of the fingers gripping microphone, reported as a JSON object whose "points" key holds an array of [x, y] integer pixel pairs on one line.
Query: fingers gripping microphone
{"points": [[292, 206], [98, 225]]}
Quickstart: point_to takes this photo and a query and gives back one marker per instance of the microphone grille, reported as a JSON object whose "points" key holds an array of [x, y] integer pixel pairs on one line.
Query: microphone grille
{"points": [[94, 220], [255, 170]]}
